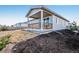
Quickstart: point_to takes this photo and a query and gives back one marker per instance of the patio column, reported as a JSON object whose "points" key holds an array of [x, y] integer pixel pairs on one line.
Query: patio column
{"points": [[41, 20], [28, 22], [52, 21]]}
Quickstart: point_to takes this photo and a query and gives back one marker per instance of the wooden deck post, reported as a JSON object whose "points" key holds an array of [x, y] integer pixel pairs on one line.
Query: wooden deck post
{"points": [[41, 20]]}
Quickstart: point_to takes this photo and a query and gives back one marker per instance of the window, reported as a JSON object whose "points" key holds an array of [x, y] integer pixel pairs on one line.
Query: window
{"points": [[46, 21]]}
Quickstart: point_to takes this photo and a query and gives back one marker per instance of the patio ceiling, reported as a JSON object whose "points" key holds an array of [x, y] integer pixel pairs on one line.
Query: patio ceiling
{"points": [[38, 15]]}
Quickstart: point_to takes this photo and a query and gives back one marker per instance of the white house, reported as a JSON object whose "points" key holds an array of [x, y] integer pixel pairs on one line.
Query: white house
{"points": [[44, 20]]}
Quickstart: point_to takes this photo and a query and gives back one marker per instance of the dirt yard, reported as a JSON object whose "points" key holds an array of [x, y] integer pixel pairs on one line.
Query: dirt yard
{"points": [[16, 36], [64, 41]]}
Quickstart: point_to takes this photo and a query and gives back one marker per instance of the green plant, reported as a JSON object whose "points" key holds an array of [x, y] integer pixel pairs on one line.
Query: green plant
{"points": [[3, 41], [3, 28], [73, 26]]}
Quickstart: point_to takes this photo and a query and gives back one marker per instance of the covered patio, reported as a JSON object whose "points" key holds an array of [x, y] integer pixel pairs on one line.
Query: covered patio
{"points": [[40, 20]]}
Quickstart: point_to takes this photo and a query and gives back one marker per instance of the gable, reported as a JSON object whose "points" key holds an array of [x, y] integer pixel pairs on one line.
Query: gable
{"points": [[32, 11], [35, 10]]}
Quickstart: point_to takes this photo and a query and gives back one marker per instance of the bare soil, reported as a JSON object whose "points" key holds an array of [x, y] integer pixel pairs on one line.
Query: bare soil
{"points": [[16, 36], [63, 41]]}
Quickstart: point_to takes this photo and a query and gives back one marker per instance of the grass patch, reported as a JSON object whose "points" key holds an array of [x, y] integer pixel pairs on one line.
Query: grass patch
{"points": [[4, 41]]}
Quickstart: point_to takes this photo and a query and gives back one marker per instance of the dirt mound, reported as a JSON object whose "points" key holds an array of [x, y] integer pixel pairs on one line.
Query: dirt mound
{"points": [[54, 42], [15, 37]]}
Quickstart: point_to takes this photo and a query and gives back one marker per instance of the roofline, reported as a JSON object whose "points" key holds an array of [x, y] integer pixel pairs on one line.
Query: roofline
{"points": [[44, 8], [55, 13]]}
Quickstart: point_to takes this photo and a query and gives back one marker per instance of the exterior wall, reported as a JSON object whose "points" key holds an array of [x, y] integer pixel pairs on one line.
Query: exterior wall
{"points": [[59, 23]]}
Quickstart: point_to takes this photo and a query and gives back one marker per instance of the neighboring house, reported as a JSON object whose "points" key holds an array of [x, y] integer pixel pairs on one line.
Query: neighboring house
{"points": [[42, 19]]}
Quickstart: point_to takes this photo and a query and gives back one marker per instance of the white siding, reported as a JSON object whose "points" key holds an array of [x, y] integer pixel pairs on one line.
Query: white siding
{"points": [[55, 23], [59, 23]]}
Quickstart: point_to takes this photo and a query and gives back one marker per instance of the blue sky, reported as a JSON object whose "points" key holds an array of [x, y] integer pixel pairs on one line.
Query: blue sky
{"points": [[11, 14]]}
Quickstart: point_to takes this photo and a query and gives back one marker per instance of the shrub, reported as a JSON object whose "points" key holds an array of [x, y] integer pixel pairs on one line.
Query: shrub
{"points": [[73, 26], [3, 28], [3, 41]]}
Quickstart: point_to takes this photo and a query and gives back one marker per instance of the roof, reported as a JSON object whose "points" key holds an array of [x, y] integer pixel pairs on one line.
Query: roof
{"points": [[44, 8]]}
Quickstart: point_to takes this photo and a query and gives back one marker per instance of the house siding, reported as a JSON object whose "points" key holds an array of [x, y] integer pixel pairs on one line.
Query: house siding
{"points": [[59, 23]]}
